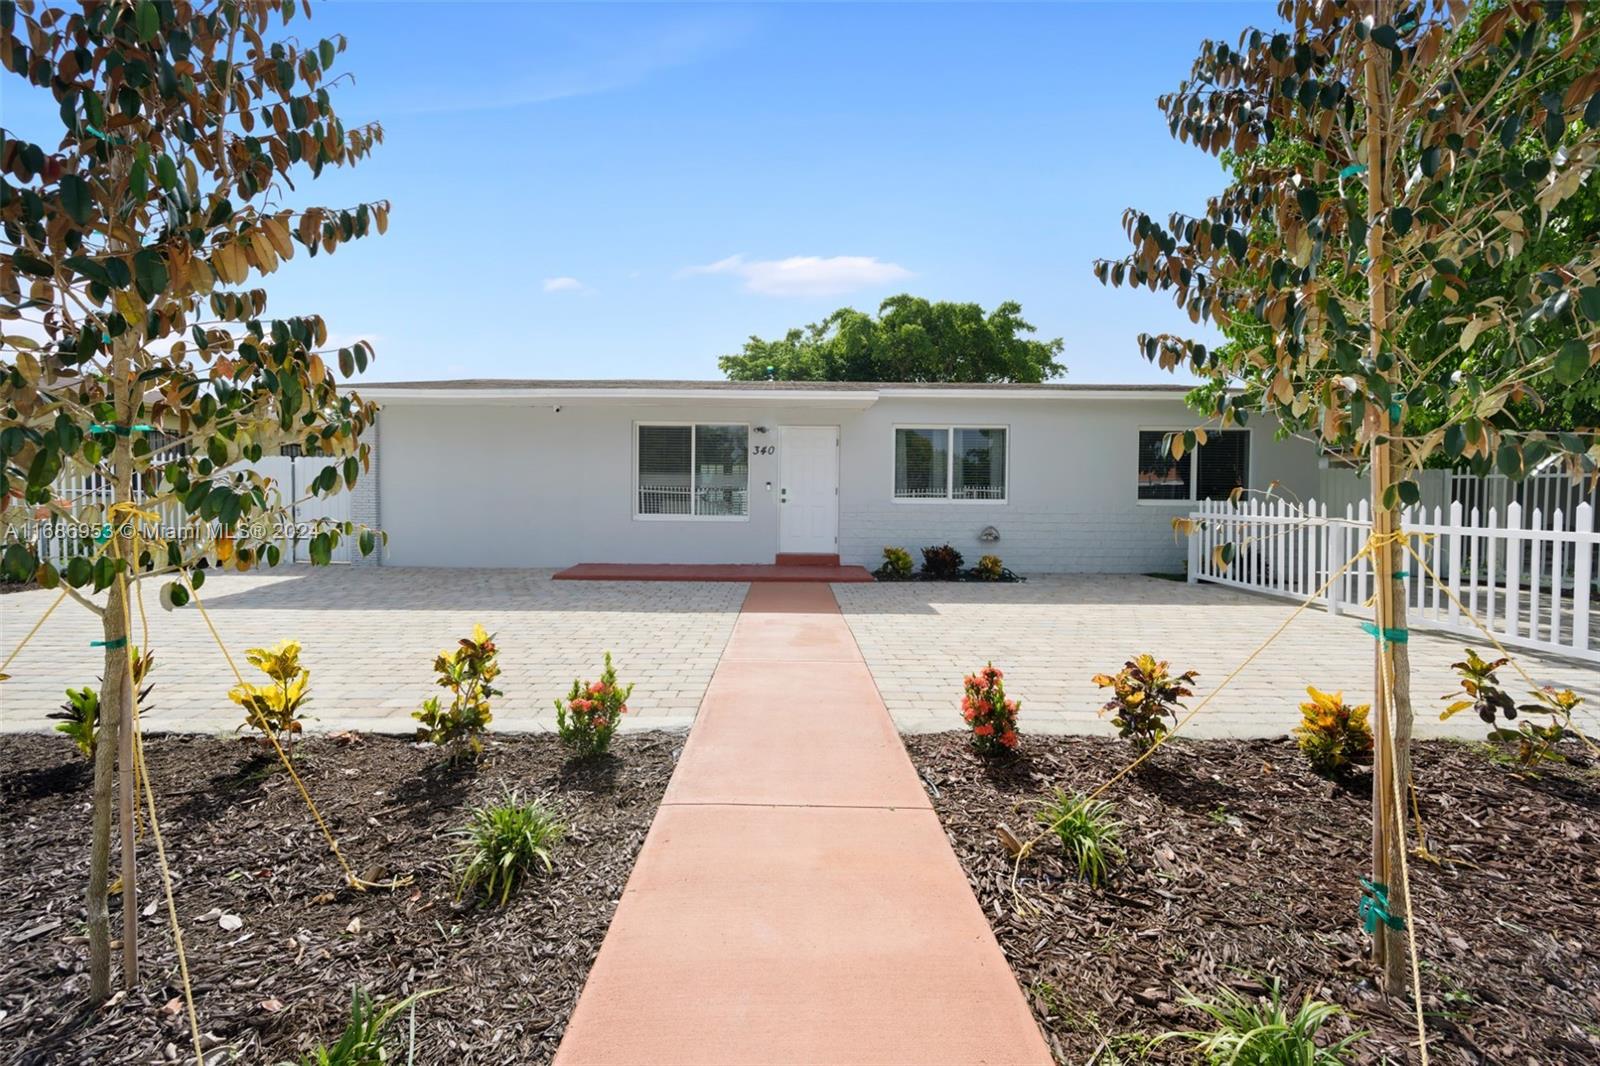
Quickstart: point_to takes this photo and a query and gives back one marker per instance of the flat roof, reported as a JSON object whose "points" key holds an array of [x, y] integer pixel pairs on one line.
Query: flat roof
{"points": [[629, 384], [857, 395]]}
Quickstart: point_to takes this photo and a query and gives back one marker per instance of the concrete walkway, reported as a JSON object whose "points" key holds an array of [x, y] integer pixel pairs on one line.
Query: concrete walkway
{"points": [[797, 899]]}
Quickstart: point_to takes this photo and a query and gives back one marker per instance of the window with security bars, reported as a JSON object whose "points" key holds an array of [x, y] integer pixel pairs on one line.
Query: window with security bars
{"points": [[1210, 472], [693, 471], [965, 463]]}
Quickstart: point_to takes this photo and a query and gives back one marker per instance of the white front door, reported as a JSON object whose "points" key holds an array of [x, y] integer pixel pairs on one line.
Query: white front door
{"points": [[808, 489]]}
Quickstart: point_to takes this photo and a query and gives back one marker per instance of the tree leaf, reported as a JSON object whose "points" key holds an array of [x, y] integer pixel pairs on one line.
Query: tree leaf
{"points": [[76, 199], [148, 20], [1572, 361], [1589, 303], [149, 272]]}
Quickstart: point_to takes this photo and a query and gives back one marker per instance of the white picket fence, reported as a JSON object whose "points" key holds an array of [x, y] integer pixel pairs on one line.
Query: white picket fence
{"points": [[88, 495], [1529, 578]]}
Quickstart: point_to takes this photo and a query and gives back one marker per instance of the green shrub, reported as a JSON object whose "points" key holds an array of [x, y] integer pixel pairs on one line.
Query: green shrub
{"points": [[896, 565], [588, 717], [942, 563], [467, 672], [80, 718], [1145, 693], [80, 715], [1332, 734], [989, 568], [505, 841], [990, 715], [1088, 833], [1254, 1033], [1536, 742], [361, 1043]]}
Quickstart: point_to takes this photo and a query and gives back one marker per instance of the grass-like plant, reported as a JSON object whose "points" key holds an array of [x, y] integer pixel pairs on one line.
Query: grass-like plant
{"points": [[1088, 830], [1332, 734], [505, 841], [1254, 1032], [361, 1043]]}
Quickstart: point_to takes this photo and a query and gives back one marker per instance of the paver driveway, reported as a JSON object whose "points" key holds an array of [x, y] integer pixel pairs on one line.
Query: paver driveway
{"points": [[370, 636], [1052, 634]]}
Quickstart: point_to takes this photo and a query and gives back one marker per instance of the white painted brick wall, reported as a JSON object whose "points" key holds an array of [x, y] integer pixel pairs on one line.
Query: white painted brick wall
{"points": [[364, 501]]}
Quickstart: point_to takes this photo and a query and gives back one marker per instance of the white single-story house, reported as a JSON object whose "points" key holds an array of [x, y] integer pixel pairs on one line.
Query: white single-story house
{"points": [[1050, 477]]}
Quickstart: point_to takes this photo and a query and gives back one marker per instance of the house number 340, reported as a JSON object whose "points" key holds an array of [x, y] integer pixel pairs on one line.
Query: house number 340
{"points": [[764, 449]]}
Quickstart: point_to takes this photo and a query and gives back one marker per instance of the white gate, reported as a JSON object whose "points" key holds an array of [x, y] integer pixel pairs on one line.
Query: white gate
{"points": [[294, 477]]}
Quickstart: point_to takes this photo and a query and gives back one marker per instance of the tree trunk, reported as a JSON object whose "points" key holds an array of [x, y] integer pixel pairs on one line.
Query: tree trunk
{"points": [[1391, 703], [107, 730], [114, 740]]}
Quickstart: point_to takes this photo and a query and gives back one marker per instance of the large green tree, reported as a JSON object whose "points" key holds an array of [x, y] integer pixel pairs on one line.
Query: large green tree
{"points": [[910, 339], [130, 245], [1417, 155]]}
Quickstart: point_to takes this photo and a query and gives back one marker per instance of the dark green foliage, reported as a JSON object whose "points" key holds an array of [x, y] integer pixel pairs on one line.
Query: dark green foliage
{"points": [[911, 339], [941, 563]]}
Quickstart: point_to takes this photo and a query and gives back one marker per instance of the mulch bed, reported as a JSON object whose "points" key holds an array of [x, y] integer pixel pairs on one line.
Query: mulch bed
{"points": [[241, 844], [1242, 868]]}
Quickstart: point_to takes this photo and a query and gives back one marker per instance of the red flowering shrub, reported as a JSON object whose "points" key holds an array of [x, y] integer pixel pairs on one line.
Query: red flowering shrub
{"points": [[989, 714], [590, 713]]}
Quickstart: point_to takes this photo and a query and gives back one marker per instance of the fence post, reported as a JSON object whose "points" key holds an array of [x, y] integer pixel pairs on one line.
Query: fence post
{"points": [[1336, 558], [1196, 532], [1455, 561], [1582, 522], [1513, 566]]}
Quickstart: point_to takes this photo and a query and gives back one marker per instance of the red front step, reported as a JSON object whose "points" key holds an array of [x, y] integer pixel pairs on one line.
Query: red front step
{"points": [[806, 559]]}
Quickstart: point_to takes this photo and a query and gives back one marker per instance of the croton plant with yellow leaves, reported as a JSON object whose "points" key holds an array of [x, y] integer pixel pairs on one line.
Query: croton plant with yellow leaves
{"points": [[1333, 734], [274, 708]]}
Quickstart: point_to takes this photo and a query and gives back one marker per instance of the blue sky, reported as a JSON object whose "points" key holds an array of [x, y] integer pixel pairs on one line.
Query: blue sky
{"points": [[631, 191]]}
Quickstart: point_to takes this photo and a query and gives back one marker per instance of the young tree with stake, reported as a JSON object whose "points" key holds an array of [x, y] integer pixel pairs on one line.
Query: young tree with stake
{"points": [[128, 247], [1393, 164]]}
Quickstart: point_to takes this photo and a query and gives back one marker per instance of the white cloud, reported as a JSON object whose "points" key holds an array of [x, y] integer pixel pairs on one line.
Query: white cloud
{"points": [[807, 275], [564, 285]]}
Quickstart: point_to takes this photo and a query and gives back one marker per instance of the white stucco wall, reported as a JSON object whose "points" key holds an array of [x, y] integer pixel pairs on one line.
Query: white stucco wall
{"points": [[524, 485]]}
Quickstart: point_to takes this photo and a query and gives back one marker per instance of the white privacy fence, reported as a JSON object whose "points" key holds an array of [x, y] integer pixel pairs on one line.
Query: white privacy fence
{"points": [[1528, 577], [89, 495]]}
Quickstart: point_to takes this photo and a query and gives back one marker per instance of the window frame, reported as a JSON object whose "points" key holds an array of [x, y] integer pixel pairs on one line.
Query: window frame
{"points": [[949, 496], [693, 472], [1194, 470]]}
